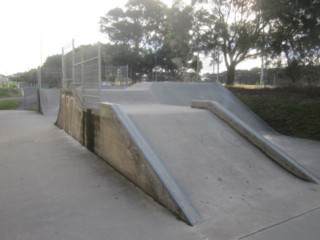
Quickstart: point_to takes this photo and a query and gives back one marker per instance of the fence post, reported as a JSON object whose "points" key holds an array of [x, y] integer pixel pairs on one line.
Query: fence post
{"points": [[63, 69], [39, 77], [127, 69], [99, 70], [82, 73], [73, 62]]}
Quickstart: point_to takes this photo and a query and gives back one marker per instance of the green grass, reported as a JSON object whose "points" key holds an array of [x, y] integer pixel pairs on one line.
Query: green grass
{"points": [[293, 113], [10, 92], [9, 105]]}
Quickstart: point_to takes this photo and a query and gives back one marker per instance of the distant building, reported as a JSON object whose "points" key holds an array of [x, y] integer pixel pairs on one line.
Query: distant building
{"points": [[3, 81]]}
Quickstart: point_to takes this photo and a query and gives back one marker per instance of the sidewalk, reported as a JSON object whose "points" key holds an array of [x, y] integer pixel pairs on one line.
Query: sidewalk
{"points": [[52, 188]]}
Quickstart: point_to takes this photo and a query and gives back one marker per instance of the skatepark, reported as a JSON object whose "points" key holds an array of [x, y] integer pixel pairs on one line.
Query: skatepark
{"points": [[154, 161]]}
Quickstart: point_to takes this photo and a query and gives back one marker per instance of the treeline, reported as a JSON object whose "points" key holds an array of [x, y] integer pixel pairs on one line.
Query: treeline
{"points": [[50, 73], [309, 76], [155, 40]]}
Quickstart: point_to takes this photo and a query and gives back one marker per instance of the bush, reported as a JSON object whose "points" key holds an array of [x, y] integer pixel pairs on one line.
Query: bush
{"points": [[9, 105]]}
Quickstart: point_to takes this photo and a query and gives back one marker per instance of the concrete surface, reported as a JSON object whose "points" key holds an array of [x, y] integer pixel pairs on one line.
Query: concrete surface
{"points": [[305, 152], [182, 94], [53, 188], [110, 134], [262, 143], [49, 101], [235, 187], [305, 226]]}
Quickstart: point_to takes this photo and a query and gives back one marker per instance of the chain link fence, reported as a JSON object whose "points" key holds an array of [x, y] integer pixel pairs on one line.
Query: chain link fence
{"points": [[81, 68], [115, 76]]}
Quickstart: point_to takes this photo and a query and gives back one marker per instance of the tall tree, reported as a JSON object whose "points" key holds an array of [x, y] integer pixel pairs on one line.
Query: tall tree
{"points": [[137, 29], [139, 25], [295, 32], [232, 26], [51, 71], [177, 37]]}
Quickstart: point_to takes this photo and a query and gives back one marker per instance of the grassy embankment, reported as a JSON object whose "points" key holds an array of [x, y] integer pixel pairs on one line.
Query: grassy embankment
{"points": [[290, 111], [7, 93]]}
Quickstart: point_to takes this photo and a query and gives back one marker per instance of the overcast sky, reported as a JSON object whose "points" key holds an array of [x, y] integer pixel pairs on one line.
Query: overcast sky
{"points": [[32, 30]]}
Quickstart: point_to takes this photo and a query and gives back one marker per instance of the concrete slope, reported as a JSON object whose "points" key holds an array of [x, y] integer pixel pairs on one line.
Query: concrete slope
{"points": [[182, 94], [235, 187], [258, 140], [306, 152], [49, 101]]}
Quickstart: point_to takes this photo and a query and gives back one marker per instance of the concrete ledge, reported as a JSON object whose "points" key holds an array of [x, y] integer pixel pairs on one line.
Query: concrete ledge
{"points": [[260, 142]]}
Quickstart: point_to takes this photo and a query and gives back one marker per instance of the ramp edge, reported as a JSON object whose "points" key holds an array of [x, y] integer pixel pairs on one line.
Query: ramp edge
{"points": [[272, 151]]}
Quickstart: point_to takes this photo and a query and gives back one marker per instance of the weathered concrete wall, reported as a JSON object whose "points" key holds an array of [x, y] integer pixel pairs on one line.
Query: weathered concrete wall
{"points": [[70, 117], [116, 146], [110, 134]]}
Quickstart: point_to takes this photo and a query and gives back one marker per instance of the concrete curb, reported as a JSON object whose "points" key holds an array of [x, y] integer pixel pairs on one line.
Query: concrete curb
{"points": [[189, 213], [272, 151]]}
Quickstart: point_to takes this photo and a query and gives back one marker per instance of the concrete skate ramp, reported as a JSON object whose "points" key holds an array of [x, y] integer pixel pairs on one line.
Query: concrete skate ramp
{"points": [[258, 140], [236, 189], [304, 152], [234, 186], [182, 94], [49, 101], [110, 133]]}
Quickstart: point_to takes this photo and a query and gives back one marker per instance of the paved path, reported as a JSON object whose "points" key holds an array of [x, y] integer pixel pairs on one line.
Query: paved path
{"points": [[52, 188]]}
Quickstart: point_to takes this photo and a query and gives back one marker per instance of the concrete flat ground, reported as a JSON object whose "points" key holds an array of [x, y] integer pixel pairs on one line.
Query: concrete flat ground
{"points": [[53, 188]]}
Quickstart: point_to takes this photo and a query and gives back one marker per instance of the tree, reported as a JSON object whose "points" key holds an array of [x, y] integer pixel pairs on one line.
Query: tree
{"points": [[136, 31], [294, 35], [152, 35], [138, 26], [51, 71], [176, 39], [232, 26]]}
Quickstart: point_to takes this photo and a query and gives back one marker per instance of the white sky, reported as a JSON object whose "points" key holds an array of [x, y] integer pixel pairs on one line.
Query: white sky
{"points": [[26, 26], [32, 30]]}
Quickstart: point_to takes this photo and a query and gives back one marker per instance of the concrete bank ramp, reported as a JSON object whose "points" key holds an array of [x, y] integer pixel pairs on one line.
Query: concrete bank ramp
{"points": [[182, 94], [236, 189], [302, 151], [49, 101], [234, 186]]}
